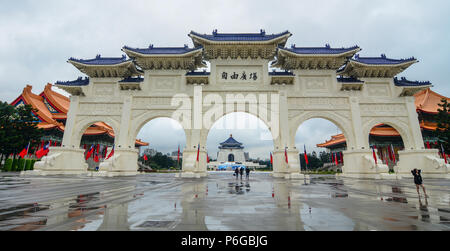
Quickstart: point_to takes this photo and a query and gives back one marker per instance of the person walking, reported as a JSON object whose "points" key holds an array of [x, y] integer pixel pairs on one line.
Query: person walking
{"points": [[241, 170], [247, 172], [236, 172], [418, 181]]}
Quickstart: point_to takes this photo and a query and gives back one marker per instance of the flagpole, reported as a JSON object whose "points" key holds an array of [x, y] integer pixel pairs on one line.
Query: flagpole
{"points": [[25, 162]]}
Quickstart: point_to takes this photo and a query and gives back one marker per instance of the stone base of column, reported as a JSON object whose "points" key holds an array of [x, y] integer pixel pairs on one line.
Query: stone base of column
{"points": [[191, 175], [427, 160], [296, 176], [123, 163], [191, 167], [60, 161], [360, 164], [374, 176]]}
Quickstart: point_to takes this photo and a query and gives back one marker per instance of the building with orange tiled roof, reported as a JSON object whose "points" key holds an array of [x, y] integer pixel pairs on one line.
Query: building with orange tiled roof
{"points": [[382, 136], [51, 113]]}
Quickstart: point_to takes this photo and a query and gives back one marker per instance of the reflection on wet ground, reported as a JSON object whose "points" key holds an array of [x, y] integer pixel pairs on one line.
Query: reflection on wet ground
{"points": [[220, 202]]}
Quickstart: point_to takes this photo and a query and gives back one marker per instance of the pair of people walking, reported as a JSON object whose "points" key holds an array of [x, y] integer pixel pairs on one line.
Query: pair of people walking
{"points": [[240, 171]]}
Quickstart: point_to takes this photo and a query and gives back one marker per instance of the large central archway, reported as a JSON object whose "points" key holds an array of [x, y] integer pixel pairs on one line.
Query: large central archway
{"points": [[247, 129]]}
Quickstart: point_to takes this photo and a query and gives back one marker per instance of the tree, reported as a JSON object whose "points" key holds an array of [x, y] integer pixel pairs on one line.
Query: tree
{"points": [[18, 127], [443, 124], [160, 161]]}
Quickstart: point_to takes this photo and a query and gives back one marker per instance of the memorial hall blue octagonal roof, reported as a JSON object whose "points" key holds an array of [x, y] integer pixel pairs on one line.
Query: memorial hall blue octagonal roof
{"points": [[231, 143]]}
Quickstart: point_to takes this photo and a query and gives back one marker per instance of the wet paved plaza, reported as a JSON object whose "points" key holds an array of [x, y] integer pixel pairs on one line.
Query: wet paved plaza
{"points": [[220, 202]]}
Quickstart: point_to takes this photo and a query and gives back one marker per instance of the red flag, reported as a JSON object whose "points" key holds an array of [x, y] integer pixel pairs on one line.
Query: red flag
{"points": [[105, 151], [24, 152], [286, 155], [145, 158], [342, 157], [96, 157], [111, 153], [393, 154], [198, 153], [428, 145], [336, 159], [381, 156], [207, 158], [443, 154], [98, 148], [306, 156], [178, 157], [271, 159], [43, 151], [390, 153], [374, 156], [90, 152]]}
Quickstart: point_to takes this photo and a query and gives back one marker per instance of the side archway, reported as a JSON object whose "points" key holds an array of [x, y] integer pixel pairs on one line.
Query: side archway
{"points": [[84, 124], [341, 122], [139, 122], [401, 127]]}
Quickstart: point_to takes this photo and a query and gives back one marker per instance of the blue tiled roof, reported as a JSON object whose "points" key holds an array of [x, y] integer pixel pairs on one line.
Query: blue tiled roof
{"points": [[319, 50], [262, 36], [383, 60], [348, 80], [99, 60], [198, 73], [79, 82], [132, 80], [151, 50], [231, 143], [281, 73], [404, 82]]}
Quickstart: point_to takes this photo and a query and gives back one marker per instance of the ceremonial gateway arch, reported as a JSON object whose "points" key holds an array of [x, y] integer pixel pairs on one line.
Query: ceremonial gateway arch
{"points": [[355, 93]]}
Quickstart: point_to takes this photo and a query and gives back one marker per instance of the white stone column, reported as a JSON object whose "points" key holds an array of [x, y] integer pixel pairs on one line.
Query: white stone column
{"points": [[124, 161], [70, 123], [427, 160]]}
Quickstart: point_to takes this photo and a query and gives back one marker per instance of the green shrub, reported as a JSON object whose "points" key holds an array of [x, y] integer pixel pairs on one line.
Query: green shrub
{"points": [[20, 165], [8, 165], [32, 164], [28, 164], [14, 165]]}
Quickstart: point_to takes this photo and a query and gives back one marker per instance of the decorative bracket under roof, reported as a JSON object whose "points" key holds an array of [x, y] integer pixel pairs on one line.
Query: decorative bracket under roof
{"points": [[281, 78], [197, 78], [350, 84]]}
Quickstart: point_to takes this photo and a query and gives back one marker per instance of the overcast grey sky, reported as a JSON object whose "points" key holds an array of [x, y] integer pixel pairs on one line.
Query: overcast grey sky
{"points": [[37, 37]]}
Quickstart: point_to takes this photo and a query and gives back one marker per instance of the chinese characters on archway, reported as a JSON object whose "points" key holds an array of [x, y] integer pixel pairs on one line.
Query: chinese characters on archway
{"points": [[240, 76]]}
